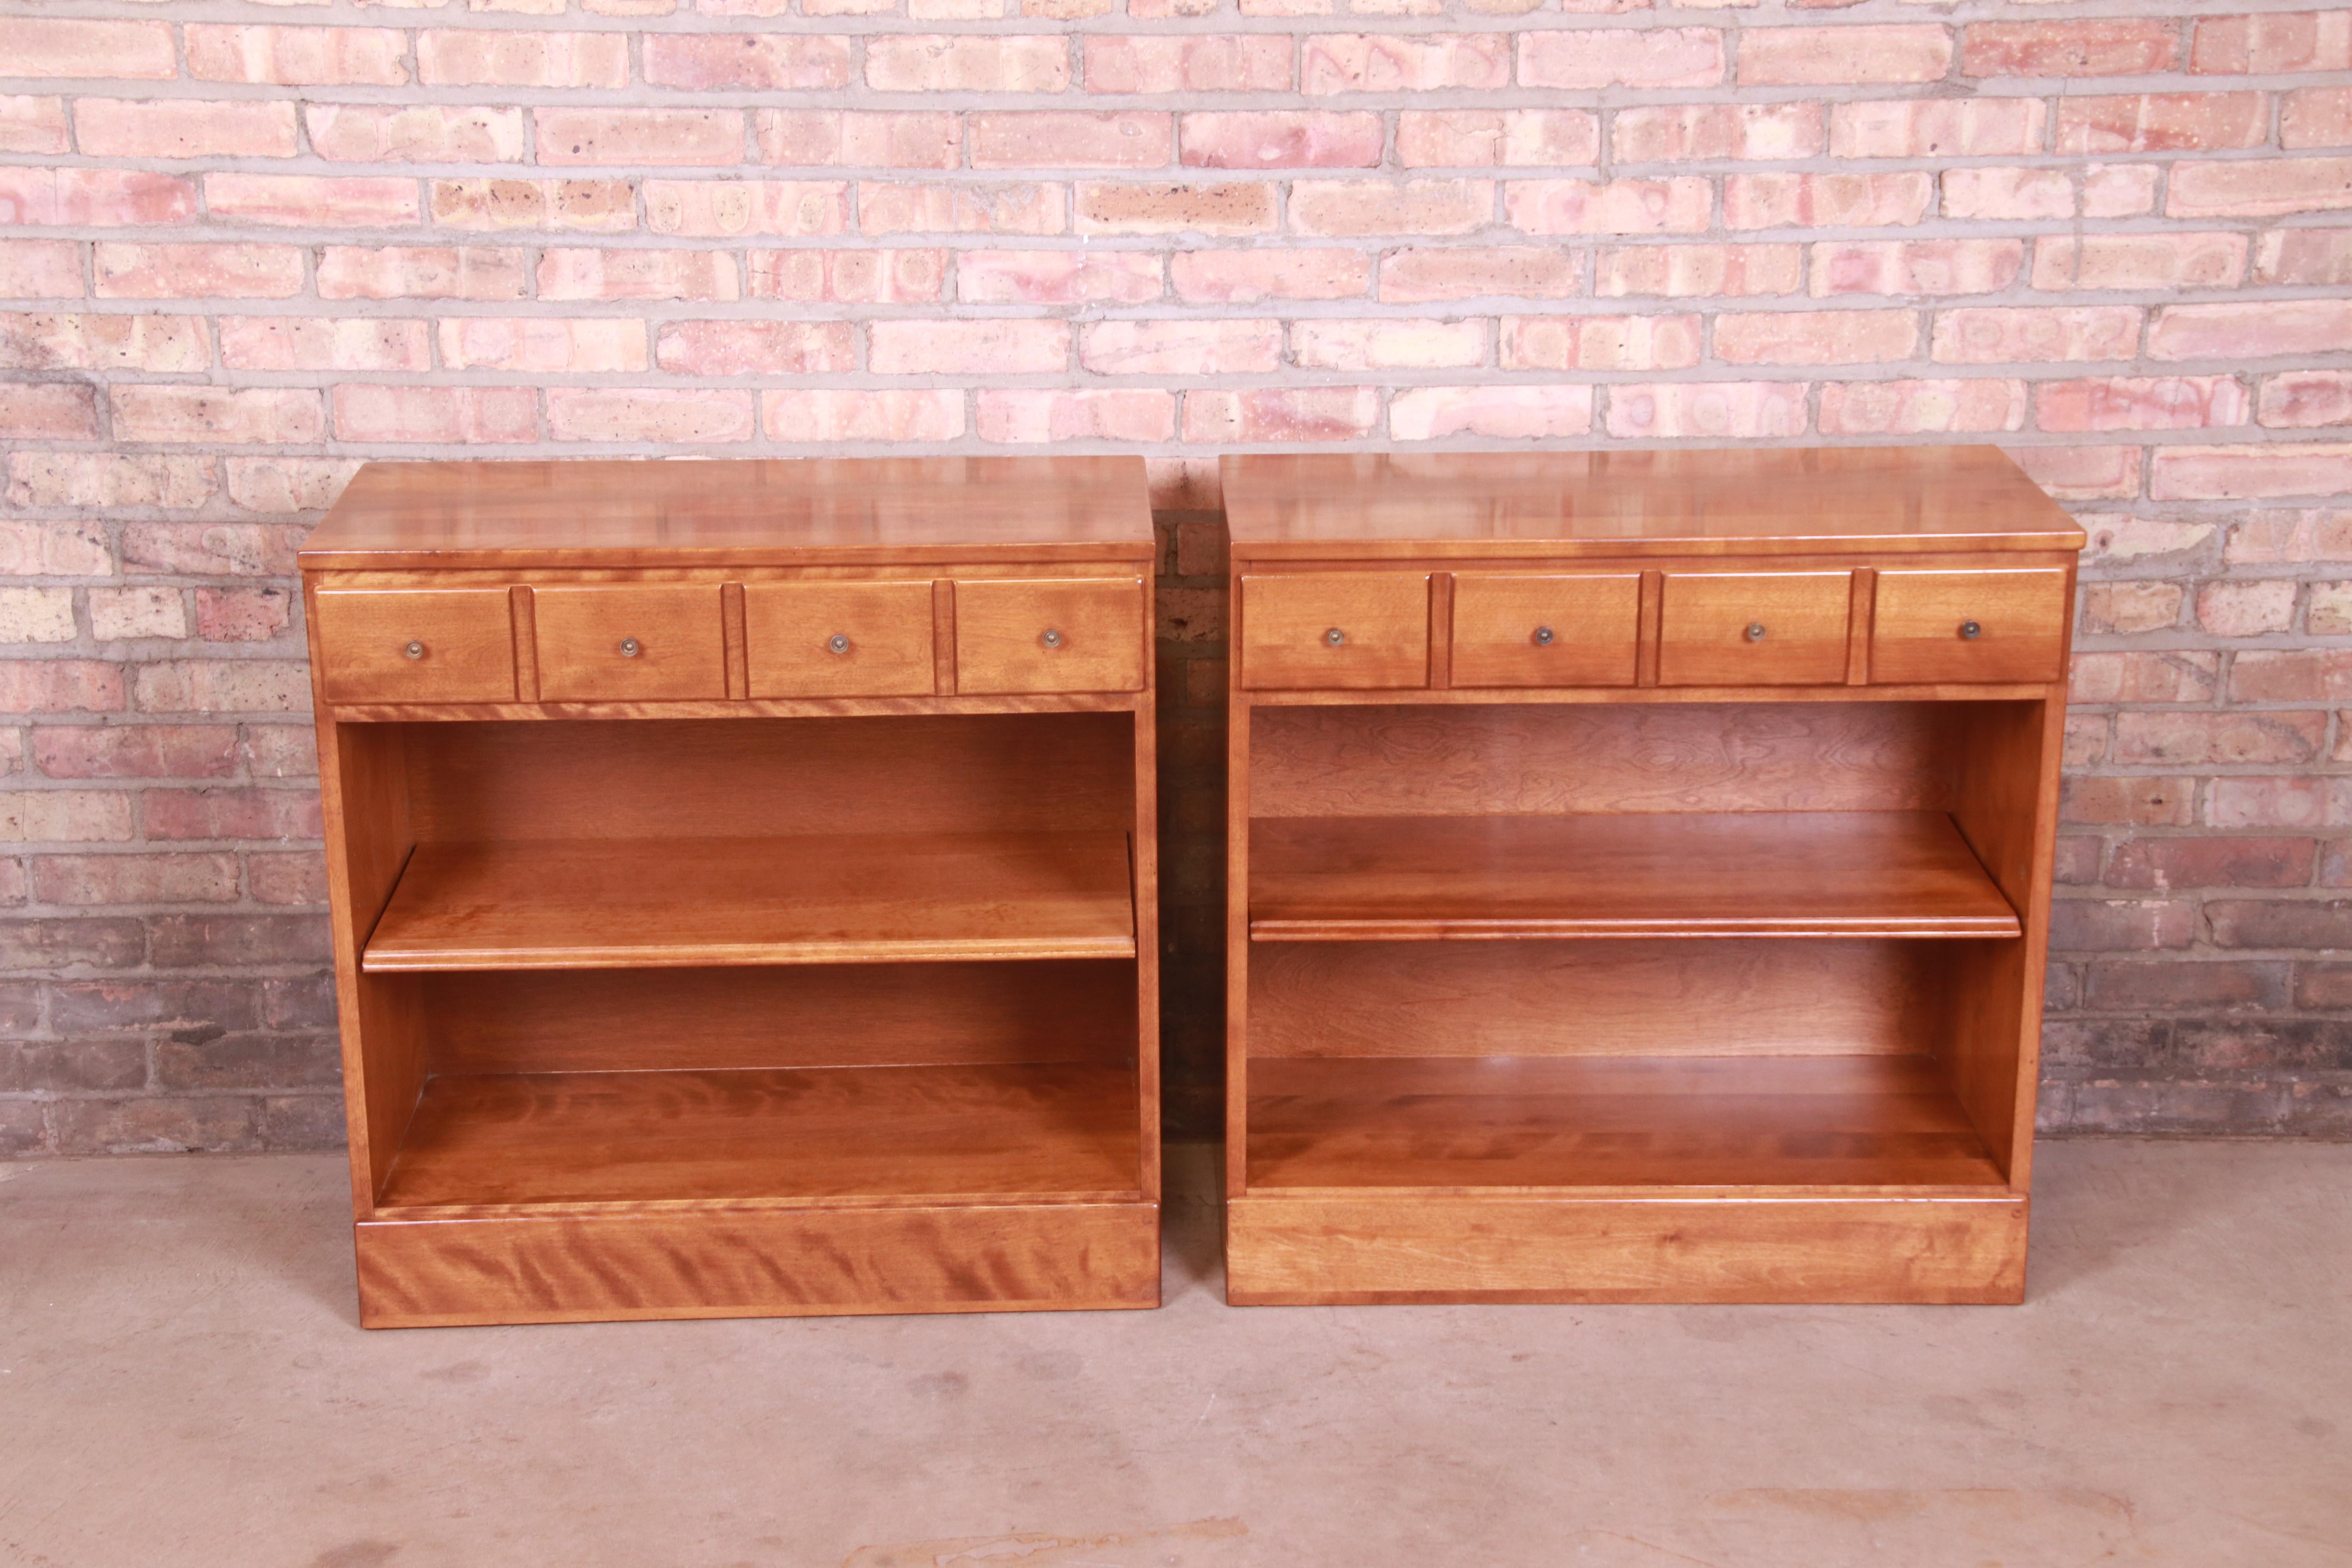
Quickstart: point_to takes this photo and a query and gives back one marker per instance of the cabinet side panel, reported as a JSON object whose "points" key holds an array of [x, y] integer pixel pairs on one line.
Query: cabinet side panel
{"points": [[1143, 843]]}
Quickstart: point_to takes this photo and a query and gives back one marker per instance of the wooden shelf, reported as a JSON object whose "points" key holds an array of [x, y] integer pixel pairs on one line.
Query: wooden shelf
{"points": [[1528, 1122], [838, 899], [1797, 874], [1064, 1131]]}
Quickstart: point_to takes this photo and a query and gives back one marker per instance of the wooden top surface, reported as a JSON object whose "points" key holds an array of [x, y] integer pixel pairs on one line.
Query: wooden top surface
{"points": [[796, 511], [1680, 502]]}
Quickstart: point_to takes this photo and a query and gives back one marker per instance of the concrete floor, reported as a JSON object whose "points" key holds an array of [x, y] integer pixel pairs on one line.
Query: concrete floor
{"points": [[182, 1384]]}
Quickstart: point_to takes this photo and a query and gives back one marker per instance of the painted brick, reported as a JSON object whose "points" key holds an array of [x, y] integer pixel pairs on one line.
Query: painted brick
{"points": [[826, 416], [1656, 134], [1600, 342], [1490, 412], [1282, 139], [183, 127], [1583, 60], [1125, 414], [1806, 56], [1159, 63], [1708, 410], [324, 57], [1186, 348], [1688, 271], [1415, 62], [2139, 403], [1677, 206], [865, 276], [1449, 272], [1251, 276], [1825, 201], [747, 62], [1501, 137], [2205, 261], [1816, 337], [2107, 47], [821, 138]]}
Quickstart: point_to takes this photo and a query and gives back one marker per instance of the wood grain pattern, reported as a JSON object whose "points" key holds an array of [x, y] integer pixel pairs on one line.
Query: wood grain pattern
{"points": [[463, 638], [1782, 874], [1632, 998], [589, 903], [1754, 628], [680, 1136], [739, 1262], [1609, 1121], [884, 630], [2020, 618], [1382, 619], [1290, 1248], [1070, 634], [1556, 629], [1684, 501], [584, 634]]}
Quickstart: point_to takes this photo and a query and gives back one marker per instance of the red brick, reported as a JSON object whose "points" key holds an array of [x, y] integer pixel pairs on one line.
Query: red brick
{"points": [[1937, 128], [242, 615], [586, 344], [221, 685], [1733, 410], [825, 416], [1990, 334], [2315, 117], [905, 62], [2293, 675], [756, 348], [103, 479], [40, 270], [2274, 187], [1490, 412], [1249, 277], [2255, 802], [1713, 130], [474, 56], [135, 750], [1585, 59], [866, 275], [2163, 122], [207, 941], [1182, 348], [2303, 398], [283, 485], [187, 271], [31, 124], [656, 137], [1157, 63], [64, 816], [287, 57], [2139, 403], [2234, 331], [188, 413], [1282, 139], [579, 274], [1056, 276], [2295, 537], [311, 342], [1451, 272], [1921, 408], [311, 201], [2127, 802], [213, 549], [184, 128], [440, 414], [898, 206], [138, 878], [827, 137], [2211, 261], [1684, 271], [122, 614], [47, 46], [718, 208], [1386, 343], [1681, 205], [2156, 738], [421, 272], [2172, 982], [2240, 473], [2106, 47], [44, 1065], [414, 133], [1124, 413], [1417, 62], [1490, 138], [2263, 43], [1350, 208], [2321, 257], [157, 1124], [2170, 677], [747, 62], [2115, 537], [1825, 201], [1070, 141], [2008, 195], [48, 411], [122, 1006], [638, 414], [1917, 267], [967, 348], [2079, 925], [1600, 342], [1214, 209], [1816, 337], [1273, 413], [249, 814], [2280, 923], [97, 198], [599, 206], [1792, 56]]}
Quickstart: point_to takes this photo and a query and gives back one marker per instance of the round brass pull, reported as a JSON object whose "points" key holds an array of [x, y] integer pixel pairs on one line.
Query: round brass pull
{"points": [[1756, 631], [1544, 635], [1335, 636], [414, 650], [1053, 638], [1970, 631], [837, 643], [631, 648]]}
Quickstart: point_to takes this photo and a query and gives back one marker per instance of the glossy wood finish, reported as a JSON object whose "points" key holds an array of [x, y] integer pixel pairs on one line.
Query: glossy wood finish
{"points": [[1553, 630], [1067, 634], [723, 973], [1391, 879], [1335, 629], [448, 645], [839, 639], [1763, 1085], [2000, 625]]}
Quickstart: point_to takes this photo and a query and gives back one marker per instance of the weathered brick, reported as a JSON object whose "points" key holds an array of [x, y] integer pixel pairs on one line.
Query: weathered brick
{"points": [[67, 1067], [1490, 412], [649, 414], [1186, 348], [1600, 342], [602, 206], [483, 58], [1250, 277], [858, 138], [2205, 261], [310, 342], [1387, 344], [1792, 56], [2274, 187], [324, 57], [1646, 135], [2094, 925], [184, 128], [55, 946], [1499, 138], [748, 62], [2170, 676], [180, 413], [1273, 139], [1816, 337], [1123, 413], [157, 1124], [2268, 42], [1057, 277], [211, 549], [2170, 983], [1583, 60], [240, 615], [2163, 122], [1352, 208], [1712, 410], [1921, 408], [755, 348], [2141, 402], [1915, 267], [1673, 205], [421, 272], [48, 411], [1937, 128], [2280, 923], [30, 123], [2238, 473], [897, 207], [1996, 334], [1459, 272], [193, 272], [2008, 195], [585, 346], [134, 751], [2315, 117], [1282, 413], [419, 133], [94, 198], [866, 275], [295, 877], [1690, 271], [1825, 201], [2179, 738], [56, 46], [848, 416], [1159, 63], [717, 209], [1413, 62], [2128, 801], [1231, 209], [2106, 47], [566, 273], [149, 878], [659, 137], [946, 63]]}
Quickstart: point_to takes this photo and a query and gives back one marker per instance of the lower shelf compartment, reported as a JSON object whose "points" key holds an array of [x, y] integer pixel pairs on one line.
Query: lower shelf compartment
{"points": [[1566, 1123], [1053, 1132]]}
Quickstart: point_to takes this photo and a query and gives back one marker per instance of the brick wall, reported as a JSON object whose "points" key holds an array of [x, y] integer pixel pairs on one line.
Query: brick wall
{"points": [[249, 244]]}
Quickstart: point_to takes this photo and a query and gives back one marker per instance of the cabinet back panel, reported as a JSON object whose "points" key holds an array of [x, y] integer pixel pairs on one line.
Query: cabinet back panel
{"points": [[1433, 760], [1609, 998], [881, 1014], [689, 778]]}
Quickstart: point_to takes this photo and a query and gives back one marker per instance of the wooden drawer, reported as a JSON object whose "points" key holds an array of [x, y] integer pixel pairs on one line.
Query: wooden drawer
{"points": [[839, 639], [630, 643], [1970, 626], [1568, 630], [1754, 628], [1335, 629], [1052, 634], [436, 644]]}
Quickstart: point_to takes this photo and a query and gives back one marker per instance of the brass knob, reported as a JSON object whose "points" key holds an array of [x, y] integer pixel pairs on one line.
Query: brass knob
{"points": [[837, 643], [1756, 631], [1053, 638], [1335, 636], [631, 648], [414, 650], [1543, 636], [1970, 631]]}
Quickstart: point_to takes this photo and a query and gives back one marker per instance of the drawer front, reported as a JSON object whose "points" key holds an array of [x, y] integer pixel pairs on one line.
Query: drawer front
{"points": [[1754, 628], [435, 645], [1579, 630], [839, 639], [1969, 625], [619, 644], [1065, 633], [1335, 629]]}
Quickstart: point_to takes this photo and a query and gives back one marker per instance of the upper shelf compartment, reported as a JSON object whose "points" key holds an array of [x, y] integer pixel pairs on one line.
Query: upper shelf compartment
{"points": [[838, 899], [1418, 878]]}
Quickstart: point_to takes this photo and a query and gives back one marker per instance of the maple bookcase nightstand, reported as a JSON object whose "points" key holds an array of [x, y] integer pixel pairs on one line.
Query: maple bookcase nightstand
{"points": [[743, 879], [1639, 873]]}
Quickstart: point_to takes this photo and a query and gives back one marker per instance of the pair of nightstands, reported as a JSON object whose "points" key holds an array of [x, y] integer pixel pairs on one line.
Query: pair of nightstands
{"points": [[744, 891]]}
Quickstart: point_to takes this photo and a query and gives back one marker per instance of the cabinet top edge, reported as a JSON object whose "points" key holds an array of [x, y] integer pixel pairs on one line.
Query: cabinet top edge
{"points": [[1688, 502], [748, 512]]}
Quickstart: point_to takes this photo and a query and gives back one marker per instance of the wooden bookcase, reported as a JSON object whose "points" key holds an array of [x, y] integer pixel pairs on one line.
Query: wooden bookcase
{"points": [[1639, 874], [742, 877]]}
